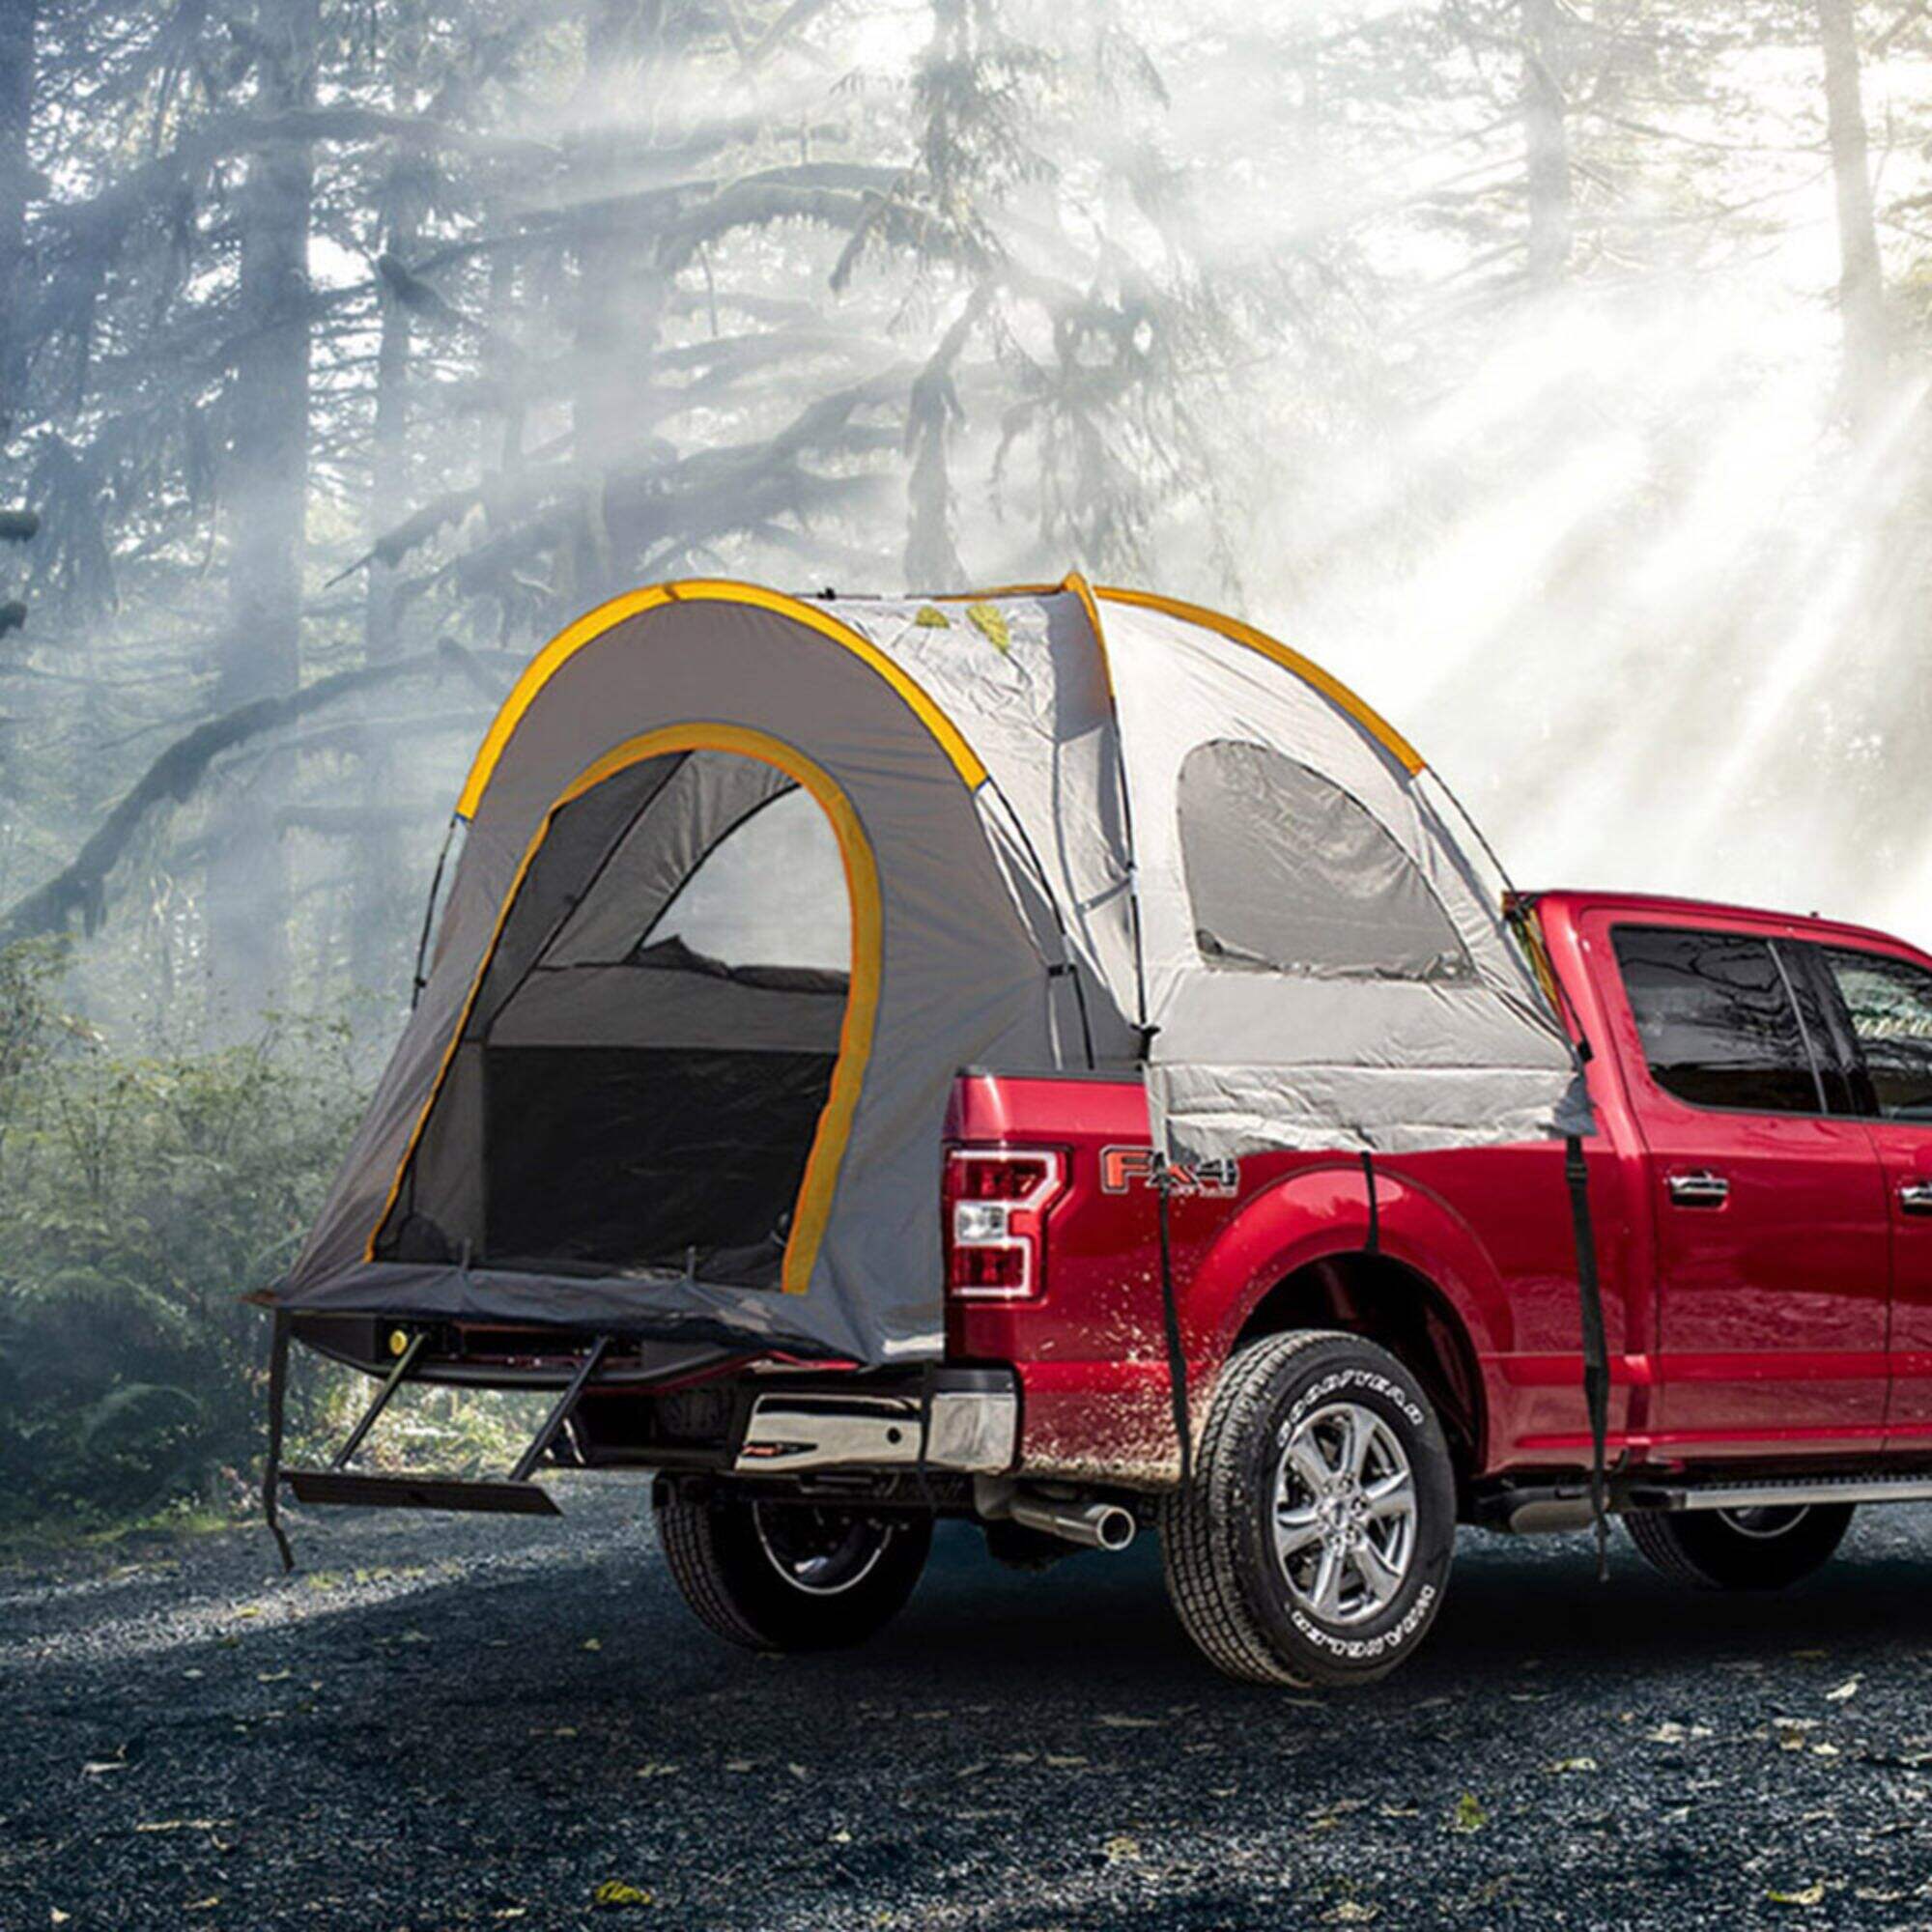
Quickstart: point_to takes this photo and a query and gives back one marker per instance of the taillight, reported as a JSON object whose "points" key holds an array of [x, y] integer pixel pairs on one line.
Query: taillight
{"points": [[996, 1202]]}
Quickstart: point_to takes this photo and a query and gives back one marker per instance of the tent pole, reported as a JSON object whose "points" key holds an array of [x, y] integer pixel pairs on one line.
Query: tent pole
{"points": [[1163, 1173], [527, 1462], [1067, 967], [394, 1381], [420, 978]]}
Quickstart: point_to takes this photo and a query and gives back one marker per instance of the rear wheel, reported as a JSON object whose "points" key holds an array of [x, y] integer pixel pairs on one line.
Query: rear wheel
{"points": [[774, 1575], [1313, 1544], [1741, 1549]]}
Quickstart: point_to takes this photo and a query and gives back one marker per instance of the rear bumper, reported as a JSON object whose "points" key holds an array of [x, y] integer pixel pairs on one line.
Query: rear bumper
{"points": [[968, 1423]]}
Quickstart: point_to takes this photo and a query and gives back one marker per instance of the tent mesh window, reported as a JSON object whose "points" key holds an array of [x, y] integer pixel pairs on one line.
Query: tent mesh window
{"points": [[653, 1040], [1288, 873]]}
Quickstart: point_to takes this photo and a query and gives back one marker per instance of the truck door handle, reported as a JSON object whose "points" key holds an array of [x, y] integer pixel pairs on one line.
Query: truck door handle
{"points": [[1915, 1196], [1705, 1189]]}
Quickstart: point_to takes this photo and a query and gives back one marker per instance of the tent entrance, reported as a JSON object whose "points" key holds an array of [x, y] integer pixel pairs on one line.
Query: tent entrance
{"points": [[647, 1158], [657, 1064]]}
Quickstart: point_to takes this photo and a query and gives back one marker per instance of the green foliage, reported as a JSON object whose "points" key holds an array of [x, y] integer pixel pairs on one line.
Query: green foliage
{"points": [[140, 1199]]}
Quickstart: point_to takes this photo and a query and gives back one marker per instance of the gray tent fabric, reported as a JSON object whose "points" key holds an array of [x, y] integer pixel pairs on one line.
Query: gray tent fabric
{"points": [[1027, 682], [1380, 1061], [1072, 832]]}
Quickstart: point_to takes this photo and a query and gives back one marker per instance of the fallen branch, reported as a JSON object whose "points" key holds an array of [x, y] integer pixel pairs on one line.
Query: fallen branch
{"points": [[82, 886], [344, 821]]}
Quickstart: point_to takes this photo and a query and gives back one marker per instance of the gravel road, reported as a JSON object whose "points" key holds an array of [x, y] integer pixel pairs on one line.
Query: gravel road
{"points": [[443, 1722]]}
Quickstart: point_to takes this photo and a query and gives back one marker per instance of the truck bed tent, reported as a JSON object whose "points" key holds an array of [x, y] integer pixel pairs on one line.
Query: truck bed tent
{"points": [[746, 878]]}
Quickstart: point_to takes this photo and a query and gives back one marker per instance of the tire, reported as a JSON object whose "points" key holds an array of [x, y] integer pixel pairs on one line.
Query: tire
{"points": [[1741, 1549], [1247, 1592], [784, 1576]]}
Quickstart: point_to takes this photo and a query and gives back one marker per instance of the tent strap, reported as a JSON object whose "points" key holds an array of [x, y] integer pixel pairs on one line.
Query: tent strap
{"points": [[272, 1465], [1519, 910], [1596, 1350], [1170, 1313]]}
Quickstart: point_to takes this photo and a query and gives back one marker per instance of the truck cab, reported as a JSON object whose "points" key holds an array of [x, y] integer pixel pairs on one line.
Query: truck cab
{"points": [[1767, 1092]]}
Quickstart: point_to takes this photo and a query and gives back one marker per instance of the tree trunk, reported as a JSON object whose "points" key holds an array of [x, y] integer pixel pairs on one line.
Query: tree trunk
{"points": [[1860, 279], [1546, 74], [631, 55], [267, 488], [81, 886], [19, 19], [376, 923], [501, 466], [931, 555], [932, 410], [1306, 43]]}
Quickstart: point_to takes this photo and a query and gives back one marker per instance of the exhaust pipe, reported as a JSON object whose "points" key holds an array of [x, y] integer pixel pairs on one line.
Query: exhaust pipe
{"points": [[1092, 1526], [1547, 1514]]}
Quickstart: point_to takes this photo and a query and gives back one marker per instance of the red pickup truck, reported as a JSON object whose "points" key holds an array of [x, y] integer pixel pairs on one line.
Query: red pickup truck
{"points": [[1375, 1350]]}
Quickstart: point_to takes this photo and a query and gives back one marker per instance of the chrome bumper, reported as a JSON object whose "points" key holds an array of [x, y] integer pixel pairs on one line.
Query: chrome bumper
{"points": [[975, 1428]]}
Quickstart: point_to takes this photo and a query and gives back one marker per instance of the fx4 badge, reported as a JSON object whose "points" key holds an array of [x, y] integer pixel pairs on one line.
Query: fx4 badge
{"points": [[1123, 1168]]}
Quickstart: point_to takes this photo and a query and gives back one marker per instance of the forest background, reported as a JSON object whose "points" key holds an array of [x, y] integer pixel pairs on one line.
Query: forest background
{"points": [[1553, 371]]}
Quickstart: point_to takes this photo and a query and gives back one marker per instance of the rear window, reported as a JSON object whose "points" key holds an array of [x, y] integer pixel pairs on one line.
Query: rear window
{"points": [[1288, 873], [1716, 1016]]}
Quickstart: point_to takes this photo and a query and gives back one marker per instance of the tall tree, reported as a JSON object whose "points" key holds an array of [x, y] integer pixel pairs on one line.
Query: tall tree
{"points": [[267, 491], [1862, 301], [19, 21], [1546, 76], [379, 868], [633, 50], [755, 299]]}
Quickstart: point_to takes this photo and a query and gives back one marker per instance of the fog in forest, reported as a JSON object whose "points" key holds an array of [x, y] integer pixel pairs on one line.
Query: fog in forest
{"points": [[1553, 371]]}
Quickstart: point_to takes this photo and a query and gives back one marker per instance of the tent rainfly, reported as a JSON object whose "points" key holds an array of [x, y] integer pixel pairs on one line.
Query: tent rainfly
{"points": [[746, 878]]}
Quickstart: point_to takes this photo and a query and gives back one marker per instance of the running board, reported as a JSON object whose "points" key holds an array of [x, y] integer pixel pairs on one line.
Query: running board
{"points": [[500, 1497], [1793, 1492]]}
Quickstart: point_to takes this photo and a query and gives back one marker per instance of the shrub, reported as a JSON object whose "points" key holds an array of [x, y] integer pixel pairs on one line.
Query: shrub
{"points": [[140, 1199]]}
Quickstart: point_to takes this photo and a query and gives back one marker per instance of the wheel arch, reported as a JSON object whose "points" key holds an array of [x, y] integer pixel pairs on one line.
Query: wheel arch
{"points": [[1386, 1301], [1408, 1272]]}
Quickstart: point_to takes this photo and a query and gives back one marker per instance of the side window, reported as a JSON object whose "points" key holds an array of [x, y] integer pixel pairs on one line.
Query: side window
{"points": [[1716, 1016], [771, 893], [1889, 1003], [1287, 874]]}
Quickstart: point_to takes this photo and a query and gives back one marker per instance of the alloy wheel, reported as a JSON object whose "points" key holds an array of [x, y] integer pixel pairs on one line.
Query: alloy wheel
{"points": [[819, 1552], [1344, 1514]]}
